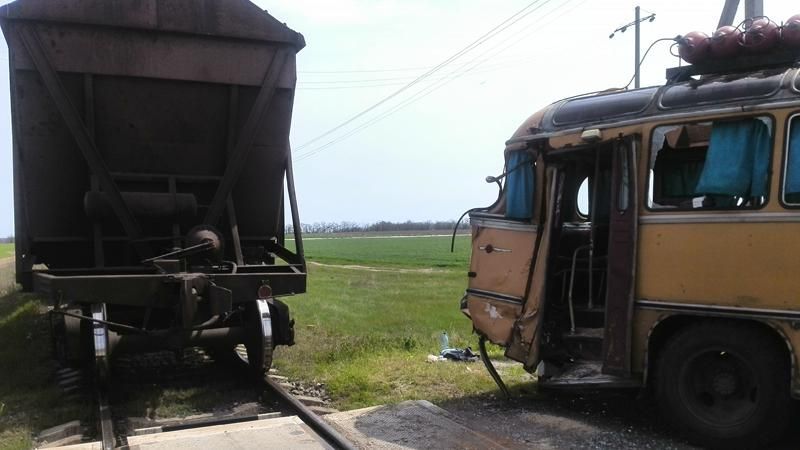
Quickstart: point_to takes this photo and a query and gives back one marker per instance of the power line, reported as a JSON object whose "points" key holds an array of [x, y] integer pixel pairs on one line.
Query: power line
{"points": [[403, 69], [516, 17], [416, 97], [430, 89], [342, 72], [364, 84], [368, 80]]}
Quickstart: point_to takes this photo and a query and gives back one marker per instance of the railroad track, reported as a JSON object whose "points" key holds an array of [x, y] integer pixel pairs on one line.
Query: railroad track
{"points": [[162, 371]]}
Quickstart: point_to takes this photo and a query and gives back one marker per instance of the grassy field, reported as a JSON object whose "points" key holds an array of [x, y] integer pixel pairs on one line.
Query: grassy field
{"points": [[366, 332], [363, 329], [389, 251], [28, 399], [6, 250]]}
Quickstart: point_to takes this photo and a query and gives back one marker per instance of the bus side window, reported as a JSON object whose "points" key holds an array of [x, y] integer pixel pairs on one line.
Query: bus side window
{"points": [[520, 185], [710, 165], [791, 180]]}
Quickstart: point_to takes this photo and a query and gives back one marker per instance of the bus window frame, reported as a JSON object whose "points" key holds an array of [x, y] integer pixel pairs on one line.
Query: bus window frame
{"points": [[648, 178], [785, 160]]}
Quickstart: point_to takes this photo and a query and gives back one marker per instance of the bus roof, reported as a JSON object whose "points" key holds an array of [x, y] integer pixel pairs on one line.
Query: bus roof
{"points": [[709, 93]]}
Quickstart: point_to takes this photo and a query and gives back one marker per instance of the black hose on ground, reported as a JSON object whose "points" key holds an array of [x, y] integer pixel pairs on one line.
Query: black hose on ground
{"points": [[490, 367]]}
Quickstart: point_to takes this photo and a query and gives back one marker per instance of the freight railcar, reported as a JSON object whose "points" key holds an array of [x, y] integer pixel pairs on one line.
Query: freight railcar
{"points": [[151, 162]]}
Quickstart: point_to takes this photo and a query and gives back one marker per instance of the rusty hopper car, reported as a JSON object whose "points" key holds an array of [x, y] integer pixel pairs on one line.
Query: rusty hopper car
{"points": [[151, 160]]}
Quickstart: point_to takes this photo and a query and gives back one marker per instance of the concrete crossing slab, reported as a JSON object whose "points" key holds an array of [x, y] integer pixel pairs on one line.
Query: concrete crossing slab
{"points": [[418, 425]]}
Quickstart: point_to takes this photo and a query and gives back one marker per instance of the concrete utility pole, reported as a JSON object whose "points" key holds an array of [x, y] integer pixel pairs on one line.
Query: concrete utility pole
{"points": [[728, 13], [752, 8], [637, 50], [636, 22]]}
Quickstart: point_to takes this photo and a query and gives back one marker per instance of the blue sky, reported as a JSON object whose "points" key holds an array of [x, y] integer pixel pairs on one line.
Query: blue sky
{"points": [[428, 158]]}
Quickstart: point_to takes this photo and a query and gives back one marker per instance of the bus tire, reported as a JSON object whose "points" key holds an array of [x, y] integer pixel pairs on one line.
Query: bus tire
{"points": [[724, 385]]}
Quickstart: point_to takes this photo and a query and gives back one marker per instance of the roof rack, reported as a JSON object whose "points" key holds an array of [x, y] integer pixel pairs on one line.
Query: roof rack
{"points": [[739, 64]]}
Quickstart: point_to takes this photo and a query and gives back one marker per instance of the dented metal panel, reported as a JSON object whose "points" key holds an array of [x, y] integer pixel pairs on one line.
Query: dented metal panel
{"points": [[528, 329], [502, 254], [493, 317]]}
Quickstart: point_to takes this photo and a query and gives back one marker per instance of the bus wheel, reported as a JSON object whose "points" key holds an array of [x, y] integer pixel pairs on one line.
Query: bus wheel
{"points": [[724, 385]]}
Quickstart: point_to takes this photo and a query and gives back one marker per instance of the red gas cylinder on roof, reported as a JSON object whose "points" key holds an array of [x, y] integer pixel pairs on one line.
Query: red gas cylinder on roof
{"points": [[790, 33], [693, 47], [760, 35], [725, 42]]}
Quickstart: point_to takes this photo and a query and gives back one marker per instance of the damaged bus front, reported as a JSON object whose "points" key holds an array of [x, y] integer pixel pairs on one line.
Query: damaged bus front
{"points": [[645, 239]]}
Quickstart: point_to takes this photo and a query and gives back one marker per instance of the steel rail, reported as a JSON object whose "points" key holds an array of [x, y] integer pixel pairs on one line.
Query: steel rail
{"points": [[108, 439], [325, 431]]}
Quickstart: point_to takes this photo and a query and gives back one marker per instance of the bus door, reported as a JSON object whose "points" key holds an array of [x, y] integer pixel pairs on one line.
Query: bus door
{"points": [[623, 223], [503, 253]]}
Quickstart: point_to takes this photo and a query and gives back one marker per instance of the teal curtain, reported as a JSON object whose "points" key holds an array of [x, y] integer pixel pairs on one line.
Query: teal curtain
{"points": [[520, 182], [737, 160], [679, 179]]}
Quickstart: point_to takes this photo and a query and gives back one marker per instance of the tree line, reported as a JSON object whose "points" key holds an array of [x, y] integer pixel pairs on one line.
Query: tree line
{"points": [[353, 227]]}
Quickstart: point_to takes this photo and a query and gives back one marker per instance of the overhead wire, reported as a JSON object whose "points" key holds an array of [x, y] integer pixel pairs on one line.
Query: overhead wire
{"points": [[402, 69], [514, 18], [430, 89], [416, 97], [368, 80], [641, 61], [371, 84]]}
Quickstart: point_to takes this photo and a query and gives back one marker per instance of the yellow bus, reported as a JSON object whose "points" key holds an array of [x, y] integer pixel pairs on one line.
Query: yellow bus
{"points": [[651, 238]]}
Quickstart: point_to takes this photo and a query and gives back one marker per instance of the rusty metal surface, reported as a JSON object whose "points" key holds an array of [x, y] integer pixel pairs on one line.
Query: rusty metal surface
{"points": [[158, 290], [621, 260], [693, 97], [118, 98], [234, 19], [153, 127]]}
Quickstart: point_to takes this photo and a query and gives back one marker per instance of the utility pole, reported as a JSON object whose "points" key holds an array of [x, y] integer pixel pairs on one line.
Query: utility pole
{"points": [[752, 8], [728, 13], [637, 49]]}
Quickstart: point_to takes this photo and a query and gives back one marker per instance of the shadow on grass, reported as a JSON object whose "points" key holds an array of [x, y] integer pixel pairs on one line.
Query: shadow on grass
{"points": [[159, 386], [29, 398]]}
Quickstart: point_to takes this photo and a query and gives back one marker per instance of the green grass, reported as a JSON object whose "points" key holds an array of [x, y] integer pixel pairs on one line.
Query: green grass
{"points": [[29, 400], [403, 252], [6, 250], [366, 334]]}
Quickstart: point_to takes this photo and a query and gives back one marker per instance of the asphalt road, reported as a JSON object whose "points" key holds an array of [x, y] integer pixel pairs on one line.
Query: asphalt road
{"points": [[569, 420]]}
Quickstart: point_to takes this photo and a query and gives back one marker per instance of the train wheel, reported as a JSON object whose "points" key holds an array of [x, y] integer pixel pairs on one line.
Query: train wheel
{"points": [[67, 334], [100, 342], [724, 385], [259, 343]]}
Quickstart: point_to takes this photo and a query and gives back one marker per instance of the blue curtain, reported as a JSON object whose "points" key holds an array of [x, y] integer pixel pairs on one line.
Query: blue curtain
{"points": [[793, 164], [520, 182], [737, 160]]}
